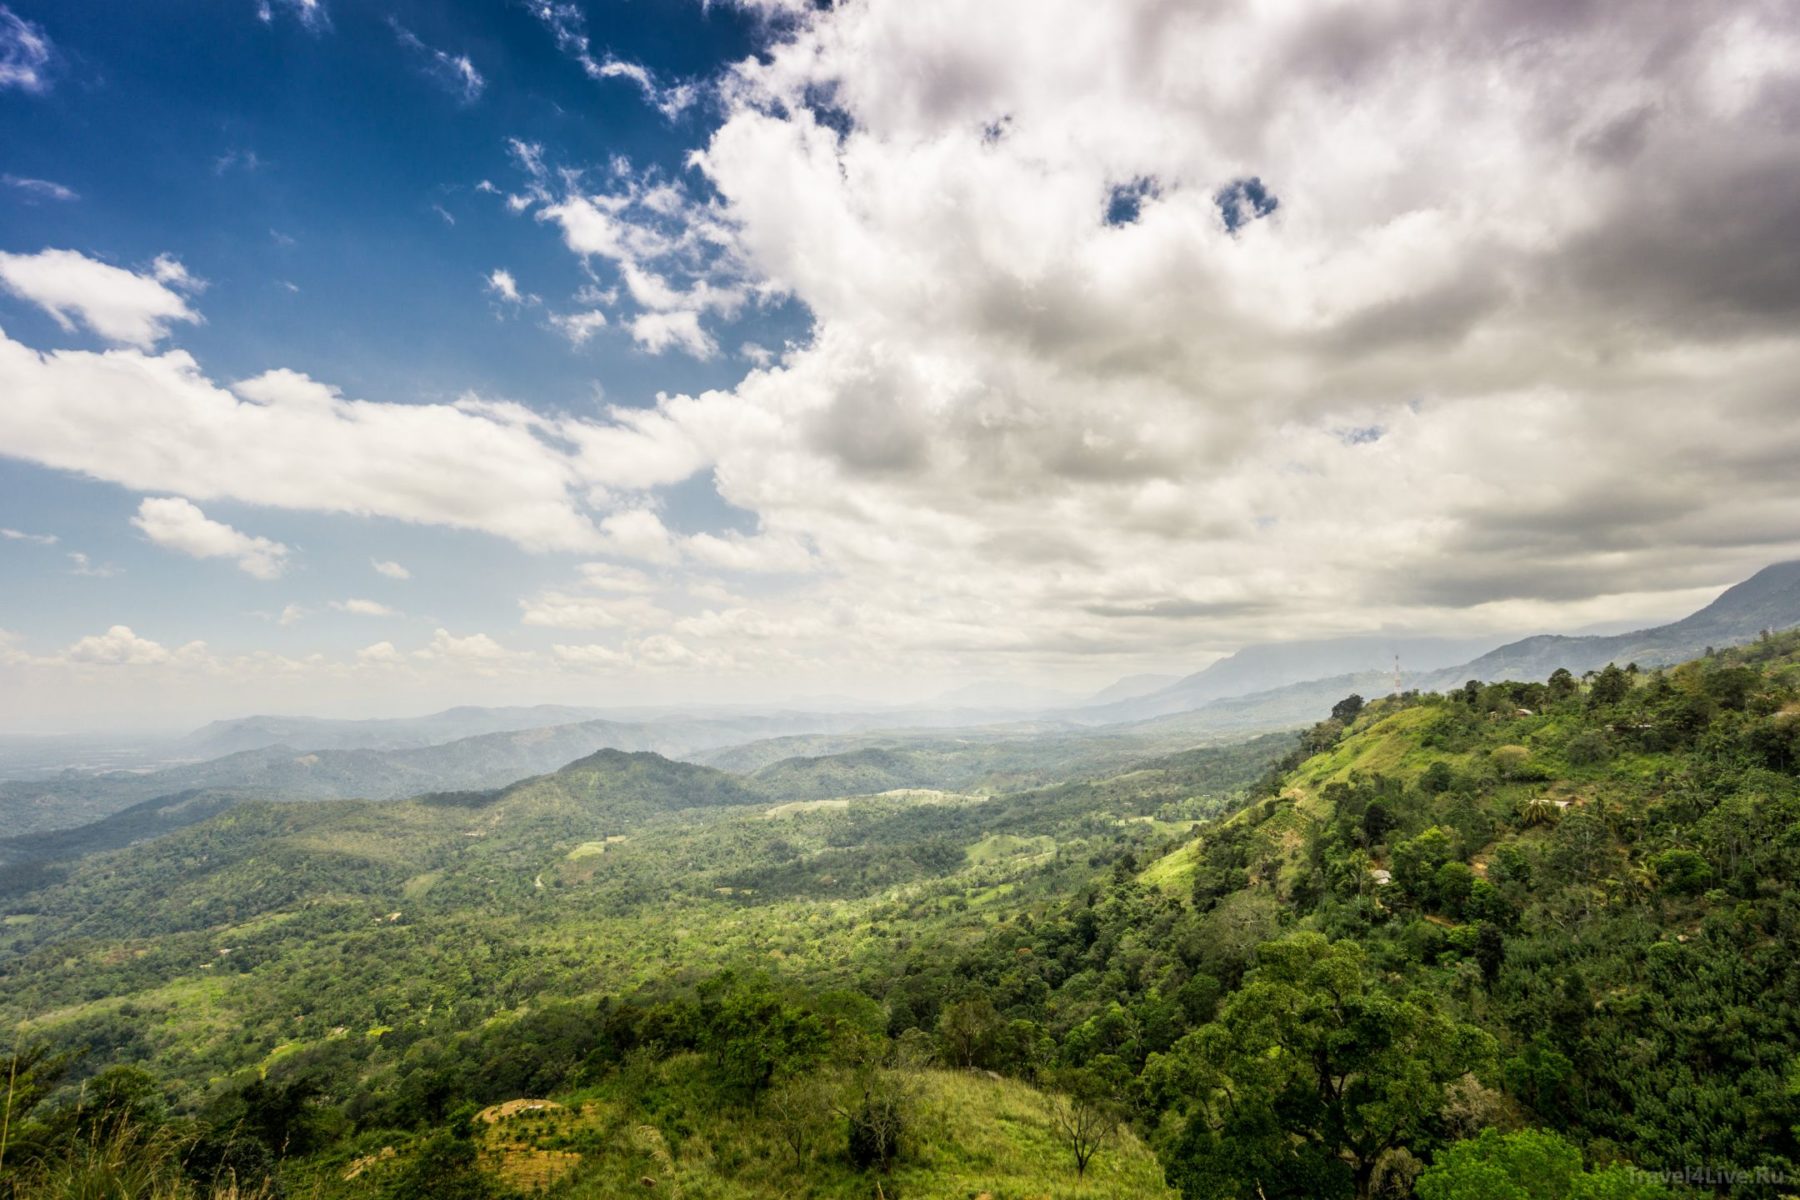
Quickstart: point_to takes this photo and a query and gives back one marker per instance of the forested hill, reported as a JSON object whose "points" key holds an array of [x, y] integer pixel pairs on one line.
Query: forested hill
{"points": [[1517, 941]]}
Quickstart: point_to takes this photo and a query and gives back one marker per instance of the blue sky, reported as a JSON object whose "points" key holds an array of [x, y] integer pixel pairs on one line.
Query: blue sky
{"points": [[667, 351], [321, 176]]}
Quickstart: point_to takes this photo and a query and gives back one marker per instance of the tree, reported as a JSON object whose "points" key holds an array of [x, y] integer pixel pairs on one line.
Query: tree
{"points": [[1562, 684], [968, 1031], [1490, 952], [1510, 761], [1610, 686], [1532, 1164], [1311, 1074], [1086, 1114], [876, 1096], [1539, 810], [1347, 710], [798, 1108], [444, 1168], [1416, 862], [753, 1034]]}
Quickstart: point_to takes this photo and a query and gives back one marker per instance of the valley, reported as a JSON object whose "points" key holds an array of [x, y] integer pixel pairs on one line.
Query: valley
{"points": [[1542, 894]]}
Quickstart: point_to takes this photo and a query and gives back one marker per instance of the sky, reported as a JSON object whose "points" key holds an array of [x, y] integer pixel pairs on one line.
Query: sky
{"points": [[366, 358]]}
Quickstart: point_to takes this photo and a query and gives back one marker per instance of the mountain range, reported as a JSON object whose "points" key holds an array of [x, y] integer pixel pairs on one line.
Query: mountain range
{"points": [[1258, 689]]}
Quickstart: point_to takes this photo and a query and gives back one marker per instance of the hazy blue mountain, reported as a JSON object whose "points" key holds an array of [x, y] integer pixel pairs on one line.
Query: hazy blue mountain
{"points": [[316, 733], [304, 772], [1133, 686], [1264, 668], [1768, 600]]}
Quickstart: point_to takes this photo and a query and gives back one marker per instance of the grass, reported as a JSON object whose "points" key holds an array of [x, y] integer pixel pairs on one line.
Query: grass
{"points": [[969, 1135], [1173, 873], [1381, 748], [1000, 847]]}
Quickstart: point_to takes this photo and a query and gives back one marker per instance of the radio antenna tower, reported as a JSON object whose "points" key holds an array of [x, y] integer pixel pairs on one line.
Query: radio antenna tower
{"points": [[1396, 674]]}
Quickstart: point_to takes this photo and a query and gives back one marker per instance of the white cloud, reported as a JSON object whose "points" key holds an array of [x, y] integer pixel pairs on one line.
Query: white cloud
{"points": [[381, 654], [637, 533], [676, 255], [156, 423], [559, 610], [475, 648], [670, 100], [36, 539], [81, 564], [364, 608], [1329, 365], [660, 331], [390, 568], [578, 610], [40, 189], [180, 525], [119, 305], [501, 282], [736, 552], [453, 71], [607, 577], [25, 53], [578, 327], [310, 13], [567, 24], [592, 656], [118, 647], [291, 614], [1314, 320]]}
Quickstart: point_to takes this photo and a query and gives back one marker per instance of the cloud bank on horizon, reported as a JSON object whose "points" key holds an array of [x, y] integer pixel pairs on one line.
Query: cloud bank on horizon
{"points": [[1134, 332]]}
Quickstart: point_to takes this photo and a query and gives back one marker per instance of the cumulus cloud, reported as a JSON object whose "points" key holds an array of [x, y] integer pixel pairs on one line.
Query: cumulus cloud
{"points": [[475, 649], [660, 331], [25, 53], [454, 72], [501, 283], [675, 254], [637, 533], [118, 647], [121, 306], [1092, 345], [155, 422], [381, 654], [578, 327], [179, 525], [390, 568]]}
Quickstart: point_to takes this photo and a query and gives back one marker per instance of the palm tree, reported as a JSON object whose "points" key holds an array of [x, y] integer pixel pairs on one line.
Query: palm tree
{"points": [[1539, 810]]}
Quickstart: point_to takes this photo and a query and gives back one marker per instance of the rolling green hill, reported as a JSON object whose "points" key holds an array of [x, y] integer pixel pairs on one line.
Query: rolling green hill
{"points": [[1527, 935]]}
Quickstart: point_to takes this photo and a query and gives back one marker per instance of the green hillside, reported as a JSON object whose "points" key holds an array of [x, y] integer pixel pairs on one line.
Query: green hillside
{"points": [[1518, 940]]}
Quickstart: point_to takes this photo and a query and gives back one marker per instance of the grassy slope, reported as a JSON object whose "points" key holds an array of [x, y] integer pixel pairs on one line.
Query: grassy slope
{"points": [[970, 1135]]}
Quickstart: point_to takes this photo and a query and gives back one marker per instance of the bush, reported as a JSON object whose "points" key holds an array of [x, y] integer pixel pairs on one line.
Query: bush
{"points": [[1682, 872], [1532, 1164]]}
